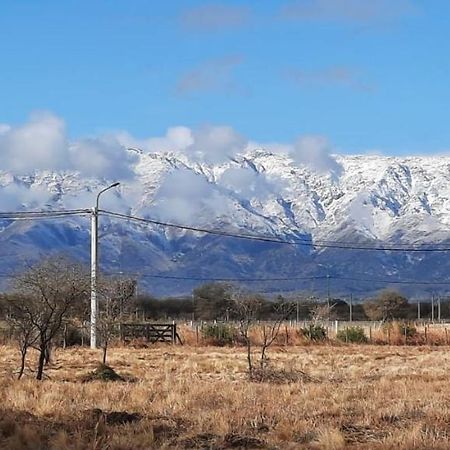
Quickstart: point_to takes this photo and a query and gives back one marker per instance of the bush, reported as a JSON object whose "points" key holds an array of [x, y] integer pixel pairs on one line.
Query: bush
{"points": [[352, 334], [315, 332], [220, 334], [407, 329]]}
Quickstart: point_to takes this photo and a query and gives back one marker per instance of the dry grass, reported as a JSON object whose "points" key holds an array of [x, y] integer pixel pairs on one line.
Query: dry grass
{"points": [[378, 397]]}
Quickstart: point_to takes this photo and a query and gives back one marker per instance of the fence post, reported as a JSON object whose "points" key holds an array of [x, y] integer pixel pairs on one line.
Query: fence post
{"points": [[426, 334], [174, 331], [196, 333], [389, 334], [446, 336], [370, 333], [406, 337]]}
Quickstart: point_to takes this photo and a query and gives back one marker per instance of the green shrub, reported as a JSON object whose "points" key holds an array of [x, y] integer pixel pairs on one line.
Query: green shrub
{"points": [[352, 334], [220, 334], [315, 332]]}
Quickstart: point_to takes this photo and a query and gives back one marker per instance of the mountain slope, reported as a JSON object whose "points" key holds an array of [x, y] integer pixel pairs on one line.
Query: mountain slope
{"points": [[370, 199]]}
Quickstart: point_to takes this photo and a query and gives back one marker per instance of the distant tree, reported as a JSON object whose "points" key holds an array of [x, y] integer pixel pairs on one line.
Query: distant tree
{"points": [[389, 305], [43, 298], [212, 301]]}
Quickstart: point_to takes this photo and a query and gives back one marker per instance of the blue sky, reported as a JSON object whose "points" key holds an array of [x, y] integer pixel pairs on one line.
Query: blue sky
{"points": [[367, 75]]}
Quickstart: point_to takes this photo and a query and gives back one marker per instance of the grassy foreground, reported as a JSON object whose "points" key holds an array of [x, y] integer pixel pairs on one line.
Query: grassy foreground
{"points": [[376, 397]]}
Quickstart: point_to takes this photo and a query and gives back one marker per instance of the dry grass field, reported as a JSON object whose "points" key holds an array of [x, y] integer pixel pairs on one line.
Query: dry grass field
{"points": [[355, 396]]}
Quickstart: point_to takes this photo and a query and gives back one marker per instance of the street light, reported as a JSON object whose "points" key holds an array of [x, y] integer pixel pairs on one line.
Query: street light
{"points": [[94, 264]]}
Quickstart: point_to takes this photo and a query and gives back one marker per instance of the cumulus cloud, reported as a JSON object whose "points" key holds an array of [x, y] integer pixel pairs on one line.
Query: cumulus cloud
{"points": [[4, 128], [185, 195], [215, 144], [14, 196], [351, 11], [315, 152], [214, 17], [42, 144], [104, 158], [249, 184], [176, 138], [329, 76], [216, 75]]}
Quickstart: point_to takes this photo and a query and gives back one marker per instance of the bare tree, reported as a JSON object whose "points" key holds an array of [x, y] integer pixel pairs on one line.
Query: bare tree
{"points": [[247, 308], [22, 326], [46, 293], [116, 294]]}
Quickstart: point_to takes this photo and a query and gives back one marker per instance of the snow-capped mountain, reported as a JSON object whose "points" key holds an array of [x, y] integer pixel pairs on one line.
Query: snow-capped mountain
{"points": [[372, 200]]}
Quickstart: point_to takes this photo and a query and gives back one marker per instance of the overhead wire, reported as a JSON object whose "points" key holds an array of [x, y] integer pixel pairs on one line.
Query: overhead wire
{"points": [[276, 240]]}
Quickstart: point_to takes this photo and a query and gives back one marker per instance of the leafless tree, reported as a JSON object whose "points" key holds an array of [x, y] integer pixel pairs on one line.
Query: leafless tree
{"points": [[45, 295], [247, 308], [22, 327], [116, 295]]}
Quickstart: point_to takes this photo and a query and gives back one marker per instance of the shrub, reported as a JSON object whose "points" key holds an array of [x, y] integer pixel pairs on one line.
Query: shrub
{"points": [[220, 334], [407, 329], [315, 332], [352, 334]]}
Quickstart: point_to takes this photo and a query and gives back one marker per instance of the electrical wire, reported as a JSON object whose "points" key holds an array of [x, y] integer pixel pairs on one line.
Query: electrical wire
{"points": [[302, 242]]}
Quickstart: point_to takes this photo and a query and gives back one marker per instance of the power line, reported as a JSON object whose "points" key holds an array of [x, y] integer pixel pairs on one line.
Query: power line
{"points": [[38, 215], [320, 277], [302, 242]]}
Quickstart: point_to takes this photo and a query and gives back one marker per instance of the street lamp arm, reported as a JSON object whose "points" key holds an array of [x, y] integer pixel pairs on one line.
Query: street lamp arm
{"points": [[104, 190]]}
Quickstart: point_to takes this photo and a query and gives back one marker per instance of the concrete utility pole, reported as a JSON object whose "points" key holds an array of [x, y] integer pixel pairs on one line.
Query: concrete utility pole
{"points": [[328, 291], [94, 264], [351, 307]]}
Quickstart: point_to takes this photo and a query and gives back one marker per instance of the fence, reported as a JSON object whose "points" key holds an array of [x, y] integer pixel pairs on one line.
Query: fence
{"points": [[151, 332]]}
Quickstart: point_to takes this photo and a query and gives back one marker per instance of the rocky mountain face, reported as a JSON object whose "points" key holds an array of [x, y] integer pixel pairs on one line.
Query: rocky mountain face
{"points": [[371, 200]]}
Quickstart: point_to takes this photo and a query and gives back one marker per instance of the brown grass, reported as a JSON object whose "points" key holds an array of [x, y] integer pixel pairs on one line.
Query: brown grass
{"points": [[378, 397]]}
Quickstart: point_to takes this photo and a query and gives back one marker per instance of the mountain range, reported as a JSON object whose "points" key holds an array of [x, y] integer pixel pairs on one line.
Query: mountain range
{"points": [[364, 201]]}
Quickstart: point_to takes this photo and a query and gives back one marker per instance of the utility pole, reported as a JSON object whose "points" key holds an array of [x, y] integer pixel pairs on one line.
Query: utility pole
{"points": [[94, 266], [351, 307], [328, 290], [439, 308], [432, 307]]}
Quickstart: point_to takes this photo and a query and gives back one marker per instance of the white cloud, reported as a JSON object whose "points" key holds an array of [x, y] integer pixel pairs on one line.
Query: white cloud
{"points": [[176, 138], [41, 143], [248, 184], [215, 144], [4, 128], [185, 195], [102, 158], [315, 152], [214, 17], [215, 75], [351, 11], [329, 76]]}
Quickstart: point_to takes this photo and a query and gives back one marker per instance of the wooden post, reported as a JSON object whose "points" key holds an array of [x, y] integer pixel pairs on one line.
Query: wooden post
{"points": [[446, 336], [196, 333], [426, 334], [406, 332], [370, 334], [418, 310], [174, 332], [389, 334]]}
